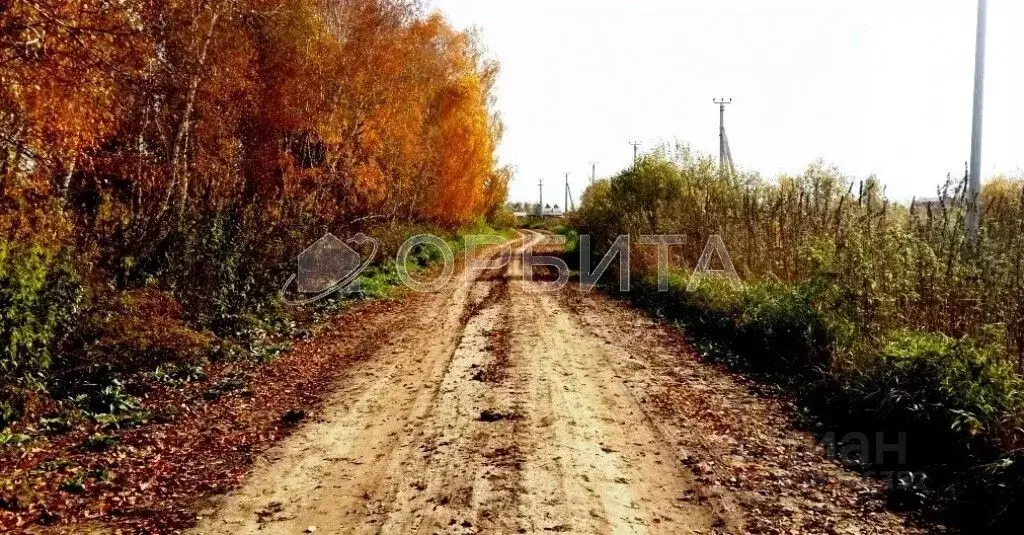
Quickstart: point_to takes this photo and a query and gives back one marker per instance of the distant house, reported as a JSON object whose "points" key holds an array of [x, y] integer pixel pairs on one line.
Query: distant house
{"points": [[553, 211], [525, 211], [934, 204]]}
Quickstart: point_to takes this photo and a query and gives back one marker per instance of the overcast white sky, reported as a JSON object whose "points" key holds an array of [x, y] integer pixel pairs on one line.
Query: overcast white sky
{"points": [[872, 86]]}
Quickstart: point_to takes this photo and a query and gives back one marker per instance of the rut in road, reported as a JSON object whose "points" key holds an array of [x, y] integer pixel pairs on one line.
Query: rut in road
{"points": [[505, 408]]}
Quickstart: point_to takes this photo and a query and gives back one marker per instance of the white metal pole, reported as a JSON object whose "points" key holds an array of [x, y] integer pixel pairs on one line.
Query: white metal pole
{"points": [[974, 179]]}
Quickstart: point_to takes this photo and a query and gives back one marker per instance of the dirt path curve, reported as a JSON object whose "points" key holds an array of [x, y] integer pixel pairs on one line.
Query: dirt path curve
{"points": [[503, 408]]}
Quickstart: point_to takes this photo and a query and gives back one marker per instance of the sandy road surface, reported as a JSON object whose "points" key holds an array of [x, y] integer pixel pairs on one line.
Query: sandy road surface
{"points": [[501, 408]]}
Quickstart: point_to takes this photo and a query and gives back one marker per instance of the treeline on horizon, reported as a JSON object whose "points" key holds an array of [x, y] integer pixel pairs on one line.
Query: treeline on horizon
{"points": [[163, 162], [878, 316]]}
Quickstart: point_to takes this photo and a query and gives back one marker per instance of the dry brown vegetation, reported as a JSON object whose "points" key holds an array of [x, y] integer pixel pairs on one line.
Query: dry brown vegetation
{"points": [[879, 315]]}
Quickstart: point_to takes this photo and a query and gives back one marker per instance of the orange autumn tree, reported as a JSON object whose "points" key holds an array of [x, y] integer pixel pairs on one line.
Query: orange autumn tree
{"points": [[62, 71], [365, 102], [195, 146], [465, 134], [373, 111]]}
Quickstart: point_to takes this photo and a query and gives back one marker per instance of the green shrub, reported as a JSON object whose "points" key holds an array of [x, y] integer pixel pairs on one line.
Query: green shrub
{"points": [[9, 411], [572, 243], [213, 271], [502, 218], [770, 328], [780, 326], [58, 423], [114, 399], [100, 442], [8, 437], [963, 385], [122, 420], [74, 485], [380, 281], [53, 466], [40, 294], [178, 374]]}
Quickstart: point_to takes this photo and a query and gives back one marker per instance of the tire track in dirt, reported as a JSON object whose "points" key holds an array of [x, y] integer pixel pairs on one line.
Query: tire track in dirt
{"points": [[455, 485], [347, 469], [597, 466]]}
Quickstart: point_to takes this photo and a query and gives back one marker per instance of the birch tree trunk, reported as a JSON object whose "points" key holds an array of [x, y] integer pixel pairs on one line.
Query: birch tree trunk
{"points": [[179, 170]]}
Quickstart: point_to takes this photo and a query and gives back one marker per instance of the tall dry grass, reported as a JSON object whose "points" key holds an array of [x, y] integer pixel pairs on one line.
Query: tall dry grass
{"points": [[877, 315], [893, 264]]}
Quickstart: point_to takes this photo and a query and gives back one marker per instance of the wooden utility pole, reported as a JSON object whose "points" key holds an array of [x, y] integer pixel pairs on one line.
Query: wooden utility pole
{"points": [[540, 205], [570, 205]]}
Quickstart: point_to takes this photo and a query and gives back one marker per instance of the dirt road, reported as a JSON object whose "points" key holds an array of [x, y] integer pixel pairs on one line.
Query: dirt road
{"points": [[501, 408]]}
